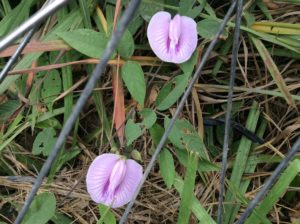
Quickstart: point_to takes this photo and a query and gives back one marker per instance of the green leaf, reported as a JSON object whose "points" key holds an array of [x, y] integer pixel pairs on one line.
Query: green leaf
{"points": [[184, 136], [203, 165], [149, 117], [132, 131], [273, 69], [107, 216], [126, 45], [136, 155], [188, 66], [135, 130], [188, 189], [44, 142], [15, 17], [277, 191], [50, 123], [166, 99], [51, 88], [166, 166], [63, 157], [61, 219], [8, 108], [86, 41], [148, 9], [185, 5], [156, 132], [133, 77], [41, 210], [208, 28], [198, 210]]}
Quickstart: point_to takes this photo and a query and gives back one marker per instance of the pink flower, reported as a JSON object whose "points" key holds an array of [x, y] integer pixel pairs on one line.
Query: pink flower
{"points": [[112, 180], [172, 40]]}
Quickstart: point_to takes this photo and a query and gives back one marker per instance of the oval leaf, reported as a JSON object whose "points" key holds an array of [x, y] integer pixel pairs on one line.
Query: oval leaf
{"points": [[166, 101], [132, 131], [133, 77], [86, 41], [208, 28], [166, 166], [44, 142], [41, 210], [126, 45]]}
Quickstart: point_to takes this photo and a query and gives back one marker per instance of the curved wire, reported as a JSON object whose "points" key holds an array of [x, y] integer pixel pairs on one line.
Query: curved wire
{"points": [[178, 111], [235, 50], [97, 73]]}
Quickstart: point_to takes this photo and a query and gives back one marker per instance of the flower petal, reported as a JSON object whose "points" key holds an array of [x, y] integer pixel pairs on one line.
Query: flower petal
{"points": [[158, 34], [124, 193], [188, 40], [98, 176]]}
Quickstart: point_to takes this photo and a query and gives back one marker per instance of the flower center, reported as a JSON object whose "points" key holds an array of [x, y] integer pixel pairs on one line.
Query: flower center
{"points": [[117, 176], [174, 32]]}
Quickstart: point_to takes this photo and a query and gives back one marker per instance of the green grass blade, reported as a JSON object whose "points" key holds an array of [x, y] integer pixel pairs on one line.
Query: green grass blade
{"points": [[249, 168], [277, 191], [188, 189], [86, 13], [274, 71], [240, 161], [196, 207]]}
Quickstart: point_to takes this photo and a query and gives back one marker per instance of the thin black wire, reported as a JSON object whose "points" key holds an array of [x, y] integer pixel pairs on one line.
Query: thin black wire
{"points": [[178, 111], [235, 50], [16, 55], [269, 183], [33, 21], [18, 51], [97, 73]]}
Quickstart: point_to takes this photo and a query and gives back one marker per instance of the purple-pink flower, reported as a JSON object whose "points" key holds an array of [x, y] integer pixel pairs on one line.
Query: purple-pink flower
{"points": [[112, 179], [172, 40]]}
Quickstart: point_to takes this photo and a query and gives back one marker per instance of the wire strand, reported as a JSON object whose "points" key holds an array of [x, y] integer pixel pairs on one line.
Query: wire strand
{"points": [[32, 22], [97, 73], [235, 50], [269, 183], [178, 111], [19, 49]]}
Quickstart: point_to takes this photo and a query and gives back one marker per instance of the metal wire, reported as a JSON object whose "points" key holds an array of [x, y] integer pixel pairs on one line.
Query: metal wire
{"points": [[269, 183], [97, 73], [31, 22], [19, 50], [235, 50], [178, 111]]}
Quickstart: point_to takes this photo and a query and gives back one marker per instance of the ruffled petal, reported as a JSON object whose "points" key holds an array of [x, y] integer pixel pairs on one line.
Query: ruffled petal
{"points": [[188, 40], [98, 175], [158, 35], [125, 191]]}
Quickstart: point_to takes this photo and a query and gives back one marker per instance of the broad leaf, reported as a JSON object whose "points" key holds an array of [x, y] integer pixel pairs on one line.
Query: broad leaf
{"points": [[132, 131], [41, 210], [166, 166], [51, 88], [86, 41], [107, 217], [166, 99], [126, 45], [208, 28], [44, 142], [133, 77]]}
